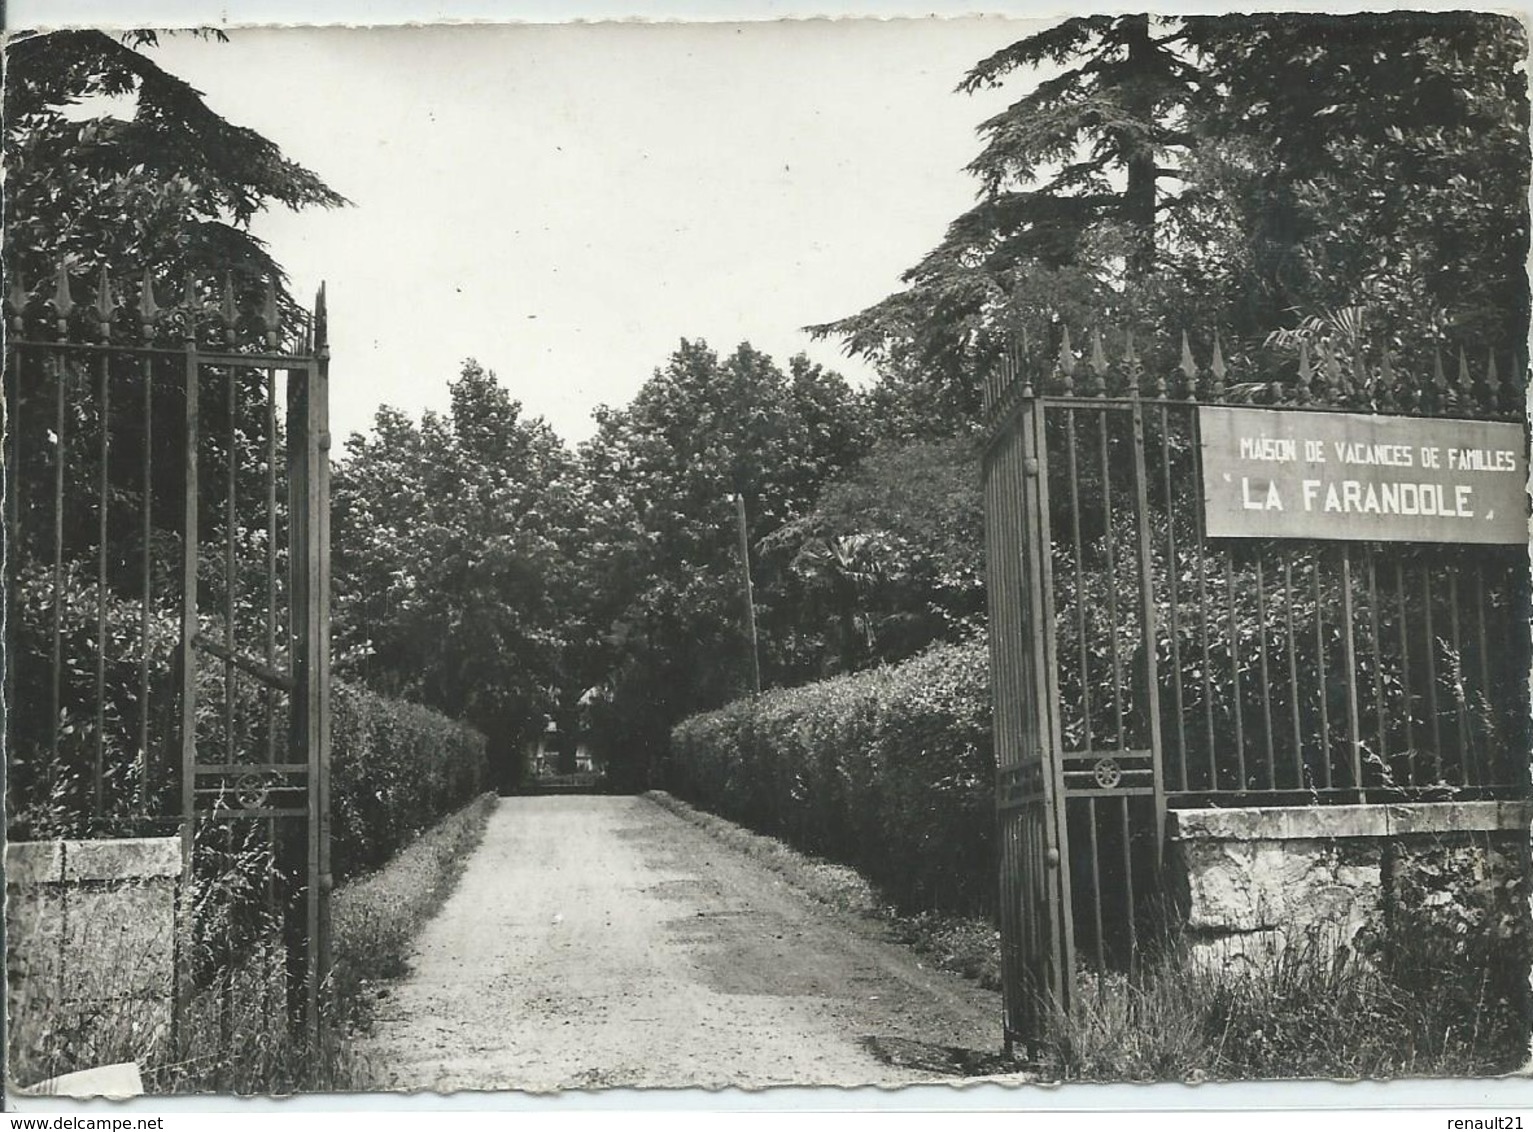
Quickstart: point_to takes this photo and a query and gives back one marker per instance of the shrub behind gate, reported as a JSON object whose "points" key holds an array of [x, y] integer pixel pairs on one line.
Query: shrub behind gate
{"points": [[890, 770]]}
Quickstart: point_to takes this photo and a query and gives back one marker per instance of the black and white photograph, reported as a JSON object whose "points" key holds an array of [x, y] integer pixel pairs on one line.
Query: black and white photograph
{"points": [[544, 558]]}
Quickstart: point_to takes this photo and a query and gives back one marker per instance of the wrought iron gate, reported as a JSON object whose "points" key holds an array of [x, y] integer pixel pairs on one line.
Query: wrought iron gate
{"points": [[1139, 664], [168, 599]]}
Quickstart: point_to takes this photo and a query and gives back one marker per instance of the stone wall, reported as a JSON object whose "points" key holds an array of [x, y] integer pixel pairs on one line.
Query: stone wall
{"points": [[90, 949], [1251, 880]]}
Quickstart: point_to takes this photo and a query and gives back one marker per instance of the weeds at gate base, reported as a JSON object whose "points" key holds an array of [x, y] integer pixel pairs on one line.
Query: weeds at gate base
{"points": [[1317, 1008], [235, 1037]]}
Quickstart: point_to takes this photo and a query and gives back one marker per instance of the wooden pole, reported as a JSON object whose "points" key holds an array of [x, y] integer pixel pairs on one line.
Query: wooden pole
{"points": [[750, 600]]}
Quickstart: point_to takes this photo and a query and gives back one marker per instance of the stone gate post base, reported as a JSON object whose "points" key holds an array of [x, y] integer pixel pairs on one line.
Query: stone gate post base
{"points": [[1254, 880], [90, 950]]}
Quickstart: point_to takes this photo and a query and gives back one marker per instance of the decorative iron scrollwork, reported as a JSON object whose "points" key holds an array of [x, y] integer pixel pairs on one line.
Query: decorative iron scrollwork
{"points": [[251, 791], [1107, 772]]}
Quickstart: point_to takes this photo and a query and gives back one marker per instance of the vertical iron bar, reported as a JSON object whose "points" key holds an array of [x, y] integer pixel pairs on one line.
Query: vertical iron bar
{"points": [[269, 695], [60, 448], [231, 390], [146, 595], [1103, 416], [271, 558], [1128, 888], [1088, 735], [1096, 892], [1027, 908], [1460, 690], [189, 547], [1320, 672], [11, 434], [319, 671], [1261, 625], [296, 845], [1349, 646], [1408, 696], [1237, 690], [1293, 671], [1045, 666], [1173, 569], [996, 597], [1149, 630], [1374, 627], [1432, 709], [1490, 774], [1208, 679], [104, 396]]}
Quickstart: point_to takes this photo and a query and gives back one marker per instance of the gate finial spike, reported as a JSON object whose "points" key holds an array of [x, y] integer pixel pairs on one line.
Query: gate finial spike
{"points": [[1306, 373], [1189, 366], [1439, 381], [271, 318], [106, 304], [1216, 366], [1134, 370], [63, 301], [1465, 382], [1021, 365], [1066, 361], [1492, 380], [148, 309], [1097, 362], [321, 322]]}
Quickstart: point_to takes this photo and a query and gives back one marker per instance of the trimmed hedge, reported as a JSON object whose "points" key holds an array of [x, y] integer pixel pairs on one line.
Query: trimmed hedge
{"points": [[891, 770], [396, 769]]}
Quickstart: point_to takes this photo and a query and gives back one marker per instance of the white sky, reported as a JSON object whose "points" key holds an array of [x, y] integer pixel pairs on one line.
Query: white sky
{"points": [[565, 203]]}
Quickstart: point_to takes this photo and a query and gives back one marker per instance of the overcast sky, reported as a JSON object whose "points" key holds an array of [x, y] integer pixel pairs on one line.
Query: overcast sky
{"points": [[565, 203]]}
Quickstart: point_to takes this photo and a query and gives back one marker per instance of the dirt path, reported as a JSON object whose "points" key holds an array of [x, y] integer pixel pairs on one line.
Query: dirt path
{"points": [[596, 942]]}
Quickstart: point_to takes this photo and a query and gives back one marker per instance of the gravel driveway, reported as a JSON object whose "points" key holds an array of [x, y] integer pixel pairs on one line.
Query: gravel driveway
{"points": [[604, 941]]}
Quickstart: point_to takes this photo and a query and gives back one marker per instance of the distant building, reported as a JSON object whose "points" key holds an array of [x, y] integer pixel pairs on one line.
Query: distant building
{"points": [[544, 754]]}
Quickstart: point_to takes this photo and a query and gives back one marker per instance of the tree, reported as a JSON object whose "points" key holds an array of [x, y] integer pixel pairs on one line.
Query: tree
{"points": [[170, 189], [1409, 199], [452, 541], [663, 555], [892, 554], [1069, 178]]}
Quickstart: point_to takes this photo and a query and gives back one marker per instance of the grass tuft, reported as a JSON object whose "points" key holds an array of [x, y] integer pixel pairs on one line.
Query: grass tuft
{"points": [[235, 1038], [1317, 1009], [375, 917], [1405, 1005]]}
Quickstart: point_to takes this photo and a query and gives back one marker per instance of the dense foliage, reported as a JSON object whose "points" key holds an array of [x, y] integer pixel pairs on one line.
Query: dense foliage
{"points": [[111, 163], [396, 770], [452, 549], [890, 770], [1176, 173], [890, 559], [663, 557]]}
